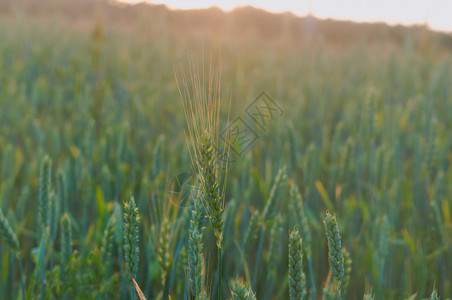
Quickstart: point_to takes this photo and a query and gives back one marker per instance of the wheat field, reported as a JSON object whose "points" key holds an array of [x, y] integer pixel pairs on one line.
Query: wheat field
{"points": [[156, 154]]}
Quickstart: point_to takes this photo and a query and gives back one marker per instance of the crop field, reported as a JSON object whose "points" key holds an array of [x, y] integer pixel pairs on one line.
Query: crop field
{"points": [[145, 154]]}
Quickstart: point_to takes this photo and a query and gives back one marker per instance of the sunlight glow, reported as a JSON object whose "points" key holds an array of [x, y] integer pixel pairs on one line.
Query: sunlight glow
{"points": [[437, 13]]}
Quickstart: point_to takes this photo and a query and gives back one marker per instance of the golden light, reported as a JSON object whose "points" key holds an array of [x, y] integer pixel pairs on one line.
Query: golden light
{"points": [[436, 13]]}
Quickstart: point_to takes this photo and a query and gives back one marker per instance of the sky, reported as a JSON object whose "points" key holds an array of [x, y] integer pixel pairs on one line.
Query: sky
{"points": [[438, 13]]}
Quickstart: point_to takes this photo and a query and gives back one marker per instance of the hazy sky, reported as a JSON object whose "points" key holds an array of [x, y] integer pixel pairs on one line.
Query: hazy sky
{"points": [[437, 12]]}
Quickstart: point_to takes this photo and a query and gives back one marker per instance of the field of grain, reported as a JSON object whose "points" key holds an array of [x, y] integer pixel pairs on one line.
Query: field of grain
{"points": [[323, 173]]}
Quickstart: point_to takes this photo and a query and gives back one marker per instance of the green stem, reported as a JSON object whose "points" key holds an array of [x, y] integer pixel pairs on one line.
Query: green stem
{"points": [[21, 276], [220, 270], [311, 274], [259, 252], [244, 264], [43, 266]]}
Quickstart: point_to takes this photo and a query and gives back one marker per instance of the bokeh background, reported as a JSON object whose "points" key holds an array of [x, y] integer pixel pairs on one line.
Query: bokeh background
{"points": [[365, 133]]}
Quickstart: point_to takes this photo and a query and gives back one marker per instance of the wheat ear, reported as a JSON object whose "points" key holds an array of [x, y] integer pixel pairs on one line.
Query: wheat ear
{"points": [[434, 296], [335, 251], [8, 234], [297, 278], [131, 232], [107, 243], [301, 221], [252, 230], [368, 296], [270, 207], [347, 270], [241, 290], [10, 237], [163, 254], [210, 188], [44, 193], [66, 238], [196, 263]]}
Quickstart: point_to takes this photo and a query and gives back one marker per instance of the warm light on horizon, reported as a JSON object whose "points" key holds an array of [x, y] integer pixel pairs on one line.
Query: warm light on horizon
{"points": [[436, 13]]}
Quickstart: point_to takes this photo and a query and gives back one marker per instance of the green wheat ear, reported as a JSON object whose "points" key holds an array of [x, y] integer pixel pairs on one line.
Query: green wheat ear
{"points": [[241, 291], [210, 189], [65, 249], [195, 258], [297, 278], [297, 209], [347, 271], [296, 206], [252, 229], [198, 218], [335, 255], [8, 234], [327, 291], [368, 296], [211, 196], [131, 232], [54, 216], [274, 247], [270, 207], [44, 193], [107, 242], [434, 296], [163, 254], [10, 238], [66, 238]]}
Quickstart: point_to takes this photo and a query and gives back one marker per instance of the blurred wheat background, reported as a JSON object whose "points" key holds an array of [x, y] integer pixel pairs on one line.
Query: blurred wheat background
{"points": [[91, 118]]}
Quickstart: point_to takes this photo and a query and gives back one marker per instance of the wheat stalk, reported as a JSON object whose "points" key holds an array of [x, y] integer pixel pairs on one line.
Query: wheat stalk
{"points": [[274, 248], [8, 234], [44, 193], [65, 248], [268, 214], [10, 237], [198, 218], [327, 292], [163, 254], [270, 206], [66, 238], [195, 259], [297, 278], [44, 212], [335, 256], [383, 247], [434, 296], [241, 290], [347, 271], [54, 216], [210, 188], [297, 208], [131, 232], [368, 296], [252, 229], [107, 244], [201, 102]]}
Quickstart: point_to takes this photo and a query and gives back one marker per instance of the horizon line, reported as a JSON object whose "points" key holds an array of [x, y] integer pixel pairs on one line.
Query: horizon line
{"points": [[425, 23]]}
